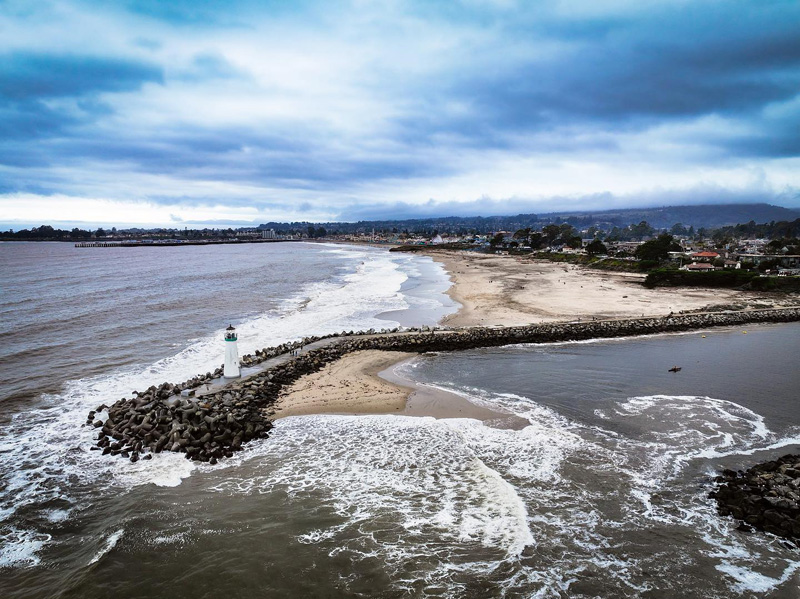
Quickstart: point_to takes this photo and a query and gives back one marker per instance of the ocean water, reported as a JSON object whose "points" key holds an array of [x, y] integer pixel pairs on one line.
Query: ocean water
{"points": [[616, 464], [602, 494]]}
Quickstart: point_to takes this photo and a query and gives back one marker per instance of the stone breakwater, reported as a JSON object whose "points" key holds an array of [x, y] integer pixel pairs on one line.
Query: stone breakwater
{"points": [[766, 497], [217, 424]]}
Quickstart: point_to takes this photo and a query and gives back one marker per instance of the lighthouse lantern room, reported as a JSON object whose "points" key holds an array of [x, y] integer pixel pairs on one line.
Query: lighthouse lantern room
{"points": [[231, 370]]}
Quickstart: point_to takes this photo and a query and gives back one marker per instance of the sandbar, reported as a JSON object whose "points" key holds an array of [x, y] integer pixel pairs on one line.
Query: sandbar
{"points": [[366, 382], [350, 385]]}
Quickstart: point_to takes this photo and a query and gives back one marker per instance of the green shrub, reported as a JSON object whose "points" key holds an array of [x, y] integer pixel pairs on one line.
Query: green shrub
{"points": [[714, 278], [664, 277]]}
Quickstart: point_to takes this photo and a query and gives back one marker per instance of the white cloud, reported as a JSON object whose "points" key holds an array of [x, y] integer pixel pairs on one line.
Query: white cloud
{"points": [[366, 103]]}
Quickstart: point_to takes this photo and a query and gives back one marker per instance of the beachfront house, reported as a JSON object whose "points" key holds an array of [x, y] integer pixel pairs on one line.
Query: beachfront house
{"points": [[698, 267]]}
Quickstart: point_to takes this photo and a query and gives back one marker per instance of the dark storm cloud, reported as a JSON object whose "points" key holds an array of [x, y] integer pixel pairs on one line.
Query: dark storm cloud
{"points": [[235, 155], [676, 63], [527, 82], [43, 95], [486, 206], [26, 76], [27, 121], [774, 136], [209, 13]]}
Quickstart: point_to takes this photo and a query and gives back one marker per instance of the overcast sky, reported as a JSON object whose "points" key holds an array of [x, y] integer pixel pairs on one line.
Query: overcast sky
{"points": [[183, 112]]}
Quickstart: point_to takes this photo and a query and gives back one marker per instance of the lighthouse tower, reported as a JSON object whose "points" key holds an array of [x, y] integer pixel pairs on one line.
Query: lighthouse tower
{"points": [[231, 354]]}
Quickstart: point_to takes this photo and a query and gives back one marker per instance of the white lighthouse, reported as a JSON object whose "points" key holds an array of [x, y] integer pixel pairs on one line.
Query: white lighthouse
{"points": [[231, 370]]}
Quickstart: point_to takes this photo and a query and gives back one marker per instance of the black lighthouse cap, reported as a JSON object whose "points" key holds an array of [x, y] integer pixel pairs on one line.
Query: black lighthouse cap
{"points": [[230, 328]]}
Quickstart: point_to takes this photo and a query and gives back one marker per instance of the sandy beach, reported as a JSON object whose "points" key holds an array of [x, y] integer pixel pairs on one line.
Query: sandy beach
{"points": [[365, 382], [494, 290], [511, 290], [348, 386]]}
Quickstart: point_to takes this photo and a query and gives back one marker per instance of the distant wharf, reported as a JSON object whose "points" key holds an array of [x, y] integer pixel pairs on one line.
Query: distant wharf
{"points": [[172, 242]]}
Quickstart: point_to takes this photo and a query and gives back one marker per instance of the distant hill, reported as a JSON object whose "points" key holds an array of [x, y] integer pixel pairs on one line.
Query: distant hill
{"points": [[709, 216]]}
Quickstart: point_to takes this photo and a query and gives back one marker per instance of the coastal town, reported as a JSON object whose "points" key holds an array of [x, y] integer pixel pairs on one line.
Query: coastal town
{"points": [[769, 249], [777, 257]]}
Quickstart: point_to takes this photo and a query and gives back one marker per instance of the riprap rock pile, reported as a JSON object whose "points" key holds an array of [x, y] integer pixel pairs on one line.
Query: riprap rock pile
{"points": [[217, 424], [766, 497], [155, 421]]}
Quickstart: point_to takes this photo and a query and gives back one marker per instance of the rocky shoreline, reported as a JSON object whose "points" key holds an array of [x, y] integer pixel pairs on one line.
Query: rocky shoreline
{"points": [[208, 428], [765, 497]]}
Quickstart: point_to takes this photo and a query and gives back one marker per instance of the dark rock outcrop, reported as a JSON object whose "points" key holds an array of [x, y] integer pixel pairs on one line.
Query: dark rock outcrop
{"points": [[765, 497]]}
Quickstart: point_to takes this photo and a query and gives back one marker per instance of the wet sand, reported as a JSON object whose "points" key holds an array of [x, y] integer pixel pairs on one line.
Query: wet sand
{"points": [[347, 386], [368, 382]]}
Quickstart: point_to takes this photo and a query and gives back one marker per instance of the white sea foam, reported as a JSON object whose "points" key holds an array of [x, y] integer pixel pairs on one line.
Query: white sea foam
{"points": [[451, 483], [319, 535], [51, 443], [175, 538], [706, 427], [415, 472], [573, 494], [503, 521], [164, 470], [746, 580], [56, 516], [703, 428], [21, 547], [108, 545]]}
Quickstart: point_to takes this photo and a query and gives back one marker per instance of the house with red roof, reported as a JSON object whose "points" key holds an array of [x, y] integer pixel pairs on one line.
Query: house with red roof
{"points": [[705, 256]]}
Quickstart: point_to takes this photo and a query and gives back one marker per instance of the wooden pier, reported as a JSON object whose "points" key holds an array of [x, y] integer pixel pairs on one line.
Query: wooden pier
{"points": [[172, 242]]}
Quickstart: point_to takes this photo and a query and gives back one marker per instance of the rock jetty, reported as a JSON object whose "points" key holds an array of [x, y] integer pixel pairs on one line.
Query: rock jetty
{"points": [[766, 497], [168, 418]]}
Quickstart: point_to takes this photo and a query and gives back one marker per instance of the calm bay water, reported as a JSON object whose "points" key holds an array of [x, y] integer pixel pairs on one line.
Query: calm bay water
{"points": [[602, 494]]}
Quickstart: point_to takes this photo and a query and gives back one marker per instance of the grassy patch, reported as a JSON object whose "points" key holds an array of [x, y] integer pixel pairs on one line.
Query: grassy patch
{"points": [[614, 264]]}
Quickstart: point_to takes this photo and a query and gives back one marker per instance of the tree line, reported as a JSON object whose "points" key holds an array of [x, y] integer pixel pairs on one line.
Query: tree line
{"points": [[782, 233], [46, 232]]}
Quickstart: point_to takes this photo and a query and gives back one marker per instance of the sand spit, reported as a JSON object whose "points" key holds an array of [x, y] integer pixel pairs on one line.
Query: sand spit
{"points": [[350, 385]]}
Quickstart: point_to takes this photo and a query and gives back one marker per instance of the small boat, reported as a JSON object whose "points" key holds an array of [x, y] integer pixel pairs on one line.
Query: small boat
{"points": [[675, 369]]}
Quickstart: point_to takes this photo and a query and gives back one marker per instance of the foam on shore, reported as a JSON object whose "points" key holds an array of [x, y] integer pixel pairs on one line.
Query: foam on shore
{"points": [[47, 445]]}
